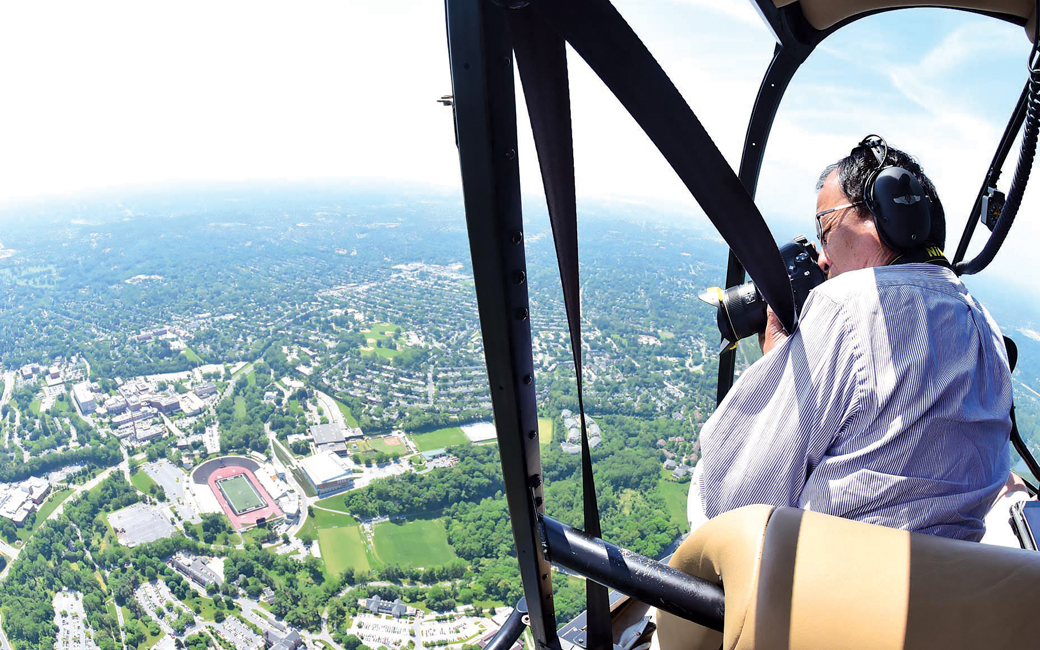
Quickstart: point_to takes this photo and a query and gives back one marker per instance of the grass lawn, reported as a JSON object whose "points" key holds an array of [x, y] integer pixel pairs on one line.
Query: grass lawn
{"points": [[282, 453], [251, 378], [294, 407], [34, 406], [149, 640], [60, 406], [416, 543], [380, 444], [383, 353], [25, 532], [206, 607], [545, 431], [53, 502], [347, 415], [192, 356], [308, 489], [343, 547], [142, 482], [673, 495], [240, 407], [439, 439], [380, 331], [325, 519], [258, 534]]}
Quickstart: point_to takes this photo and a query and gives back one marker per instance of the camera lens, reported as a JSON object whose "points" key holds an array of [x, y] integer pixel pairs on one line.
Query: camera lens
{"points": [[742, 312]]}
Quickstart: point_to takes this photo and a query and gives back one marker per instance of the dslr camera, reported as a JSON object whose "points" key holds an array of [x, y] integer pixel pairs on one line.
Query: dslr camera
{"points": [[742, 310]]}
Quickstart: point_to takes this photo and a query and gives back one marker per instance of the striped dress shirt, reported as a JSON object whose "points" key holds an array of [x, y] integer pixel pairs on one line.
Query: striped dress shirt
{"points": [[890, 404]]}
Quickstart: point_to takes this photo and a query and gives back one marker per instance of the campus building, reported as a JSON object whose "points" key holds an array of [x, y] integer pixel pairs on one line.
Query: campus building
{"points": [[192, 404], [84, 398], [205, 390], [327, 473], [195, 569], [290, 641], [17, 501], [328, 438], [395, 608]]}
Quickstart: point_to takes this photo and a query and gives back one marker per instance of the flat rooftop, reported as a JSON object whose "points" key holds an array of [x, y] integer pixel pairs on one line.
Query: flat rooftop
{"points": [[324, 468], [324, 434]]}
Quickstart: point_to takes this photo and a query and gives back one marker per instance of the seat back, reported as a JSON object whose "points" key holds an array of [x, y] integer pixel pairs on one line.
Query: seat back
{"points": [[797, 580]]}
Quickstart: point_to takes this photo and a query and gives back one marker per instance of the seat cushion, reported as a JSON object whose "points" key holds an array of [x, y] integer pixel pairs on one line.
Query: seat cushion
{"points": [[797, 580]]}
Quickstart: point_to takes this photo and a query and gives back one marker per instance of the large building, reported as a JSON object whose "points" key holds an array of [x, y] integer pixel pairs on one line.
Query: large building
{"points": [[191, 404], [195, 569], [328, 438], [395, 608], [163, 403], [81, 393], [18, 500], [205, 390], [327, 473]]}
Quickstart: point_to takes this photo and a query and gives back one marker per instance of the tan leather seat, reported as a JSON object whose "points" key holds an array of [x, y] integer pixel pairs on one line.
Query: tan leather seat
{"points": [[797, 580]]}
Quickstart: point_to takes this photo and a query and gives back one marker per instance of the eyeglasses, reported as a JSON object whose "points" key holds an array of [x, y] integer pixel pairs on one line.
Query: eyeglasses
{"points": [[821, 234]]}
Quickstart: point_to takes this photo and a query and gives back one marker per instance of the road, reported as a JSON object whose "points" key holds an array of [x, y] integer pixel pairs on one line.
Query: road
{"points": [[171, 426], [290, 479], [8, 387], [4, 644], [331, 410]]}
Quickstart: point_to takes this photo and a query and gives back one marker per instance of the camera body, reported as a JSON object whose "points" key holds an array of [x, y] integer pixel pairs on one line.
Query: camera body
{"points": [[742, 310]]}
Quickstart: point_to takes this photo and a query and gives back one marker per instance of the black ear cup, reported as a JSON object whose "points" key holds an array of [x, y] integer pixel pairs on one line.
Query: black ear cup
{"points": [[901, 207]]}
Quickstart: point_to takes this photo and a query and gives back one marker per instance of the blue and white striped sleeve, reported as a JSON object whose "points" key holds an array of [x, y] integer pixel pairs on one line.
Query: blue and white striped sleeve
{"points": [[781, 416]]}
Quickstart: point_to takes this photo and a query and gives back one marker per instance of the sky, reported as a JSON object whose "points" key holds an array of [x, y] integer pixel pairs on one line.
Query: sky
{"points": [[113, 94]]}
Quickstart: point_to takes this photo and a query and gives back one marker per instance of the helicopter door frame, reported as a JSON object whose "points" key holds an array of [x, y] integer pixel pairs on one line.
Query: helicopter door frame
{"points": [[796, 39], [481, 59]]}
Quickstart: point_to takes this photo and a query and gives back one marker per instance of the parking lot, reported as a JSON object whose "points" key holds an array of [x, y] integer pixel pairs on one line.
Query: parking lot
{"points": [[72, 622], [152, 595], [172, 480], [139, 524], [376, 630], [239, 634]]}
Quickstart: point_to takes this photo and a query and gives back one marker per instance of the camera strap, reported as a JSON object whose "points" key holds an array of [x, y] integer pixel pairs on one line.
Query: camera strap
{"points": [[926, 255], [600, 35], [540, 31], [541, 57]]}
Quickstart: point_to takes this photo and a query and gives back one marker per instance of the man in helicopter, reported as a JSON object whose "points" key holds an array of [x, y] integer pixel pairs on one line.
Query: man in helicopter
{"points": [[890, 403]]}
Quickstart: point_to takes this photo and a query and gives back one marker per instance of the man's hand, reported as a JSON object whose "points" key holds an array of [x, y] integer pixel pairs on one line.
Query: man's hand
{"points": [[774, 333]]}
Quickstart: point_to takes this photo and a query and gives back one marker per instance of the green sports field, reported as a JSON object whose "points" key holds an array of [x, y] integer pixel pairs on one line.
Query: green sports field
{"points": [[545, 431], [241, 494], [343, 547], [380, 444], [418, 543], [439, 439], [673, 495]]}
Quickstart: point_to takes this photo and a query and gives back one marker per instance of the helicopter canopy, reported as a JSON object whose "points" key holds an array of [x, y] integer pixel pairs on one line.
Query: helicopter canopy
{"points": [[823, 14]]}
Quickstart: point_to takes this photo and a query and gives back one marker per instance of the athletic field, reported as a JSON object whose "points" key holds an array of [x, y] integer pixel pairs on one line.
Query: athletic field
{"points": [[415, 543], [240, 494], [343, 547]]}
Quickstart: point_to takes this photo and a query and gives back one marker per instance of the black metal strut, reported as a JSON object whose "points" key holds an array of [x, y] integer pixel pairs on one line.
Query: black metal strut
{"points": [[485, 115]]}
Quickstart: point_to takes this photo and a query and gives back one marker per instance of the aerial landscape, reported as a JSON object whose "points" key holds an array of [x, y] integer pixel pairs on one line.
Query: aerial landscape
{"points": [[243, 394], [225, 422], [220, 417]]}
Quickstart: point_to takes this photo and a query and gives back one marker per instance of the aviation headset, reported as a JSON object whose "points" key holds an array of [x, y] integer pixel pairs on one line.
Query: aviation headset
{"points": [[899, 203]]}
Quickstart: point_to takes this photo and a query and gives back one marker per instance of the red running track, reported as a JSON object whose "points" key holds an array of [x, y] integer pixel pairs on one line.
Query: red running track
{"points": [[249, 519]]}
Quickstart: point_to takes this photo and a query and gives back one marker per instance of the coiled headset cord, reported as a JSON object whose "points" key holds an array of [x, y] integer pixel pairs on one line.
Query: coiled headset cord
{"points": [[1031, 130]]}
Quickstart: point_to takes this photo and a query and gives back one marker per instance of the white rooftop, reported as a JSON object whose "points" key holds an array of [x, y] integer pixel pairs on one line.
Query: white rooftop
{"points": [[323, 468]]}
